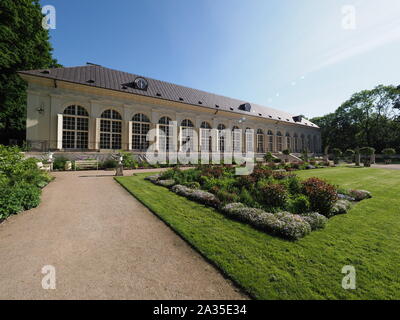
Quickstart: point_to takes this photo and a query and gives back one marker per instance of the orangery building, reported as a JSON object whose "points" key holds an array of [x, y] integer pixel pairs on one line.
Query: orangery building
{"points": [[95, 109]]}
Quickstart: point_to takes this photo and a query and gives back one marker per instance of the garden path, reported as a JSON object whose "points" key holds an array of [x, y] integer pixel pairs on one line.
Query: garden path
{"points": [[104, 244]]}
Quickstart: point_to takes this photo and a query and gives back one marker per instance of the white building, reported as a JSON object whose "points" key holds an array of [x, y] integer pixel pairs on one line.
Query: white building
{"points": [[93, 108]]}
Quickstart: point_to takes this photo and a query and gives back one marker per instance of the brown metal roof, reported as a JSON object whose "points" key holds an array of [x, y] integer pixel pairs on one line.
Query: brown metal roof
{"points": [[101, 77]]}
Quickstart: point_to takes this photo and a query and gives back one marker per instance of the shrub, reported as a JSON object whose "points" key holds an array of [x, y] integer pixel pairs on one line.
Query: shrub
{"points": [[128, 161], [268, 157], [294, 227], [359, 195], [17, 198], [153, 178], [294, 185], [279, 175], [109, 164], [340, 207], [165, 183], [227, 197], [315, 220], [299, 204], [274, 195], [192, 185], [283, 224], [59, 163], [336, 154], [247, 198], [260, 172], [182, 190], [321, 194], [204, 197]]}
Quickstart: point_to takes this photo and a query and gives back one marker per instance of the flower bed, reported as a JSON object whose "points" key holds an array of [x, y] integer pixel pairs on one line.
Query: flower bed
{"points": [[276, 202]]}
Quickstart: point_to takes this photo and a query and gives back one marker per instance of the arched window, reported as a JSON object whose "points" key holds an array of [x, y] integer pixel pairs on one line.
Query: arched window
{"points": [[279, 141], [140, 128], [270, 141], [288, 141], [221, 137], [205, 137], [296, 143], [236, 139], [187, 135], [110, 130], [303, 143], [165, 133], [260, 141], [75, 128]]}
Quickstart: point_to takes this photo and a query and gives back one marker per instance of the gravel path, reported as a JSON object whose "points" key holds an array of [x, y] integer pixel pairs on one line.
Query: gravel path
{"points": [[103, 244]]}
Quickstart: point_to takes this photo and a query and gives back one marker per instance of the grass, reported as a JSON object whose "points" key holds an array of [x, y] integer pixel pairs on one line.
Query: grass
{"points": [[368, 238]]}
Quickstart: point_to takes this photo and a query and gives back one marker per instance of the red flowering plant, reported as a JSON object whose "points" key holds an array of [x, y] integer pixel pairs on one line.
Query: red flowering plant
{"points": [[322, 195]]}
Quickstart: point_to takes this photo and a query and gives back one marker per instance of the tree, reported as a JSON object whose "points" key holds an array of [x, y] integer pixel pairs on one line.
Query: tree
{"points": [[367, 152], [336, 154], [368, 118], [24, 45], [349, 154], [387, 153]]}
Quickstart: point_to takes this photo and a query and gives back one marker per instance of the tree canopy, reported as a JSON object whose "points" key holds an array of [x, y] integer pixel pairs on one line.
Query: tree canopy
{"points": [[369, 118], [24, 45]]}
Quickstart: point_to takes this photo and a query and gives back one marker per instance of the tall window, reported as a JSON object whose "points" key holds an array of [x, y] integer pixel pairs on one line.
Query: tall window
{"points": [[205, 138], [316, 146], [309, 143], [75, 128], [279, 141], [260, 141], [236, 139], [270, 141], [187, 135], [140, 128], [249, 138], [110, 130], [221, 137], [303, 143], [295, 143], [288, 142], [165, 133]]}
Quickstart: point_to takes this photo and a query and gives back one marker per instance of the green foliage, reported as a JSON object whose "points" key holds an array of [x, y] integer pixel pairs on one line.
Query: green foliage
{"points": [[294, 185], [268, 157], [286, 152], [389, 151], [321, 194], [59, 163], [20, 182], [128, 161], [24, 45], [369, 117], [299, 205], [367, 151], [109, 164], [274, 195]]}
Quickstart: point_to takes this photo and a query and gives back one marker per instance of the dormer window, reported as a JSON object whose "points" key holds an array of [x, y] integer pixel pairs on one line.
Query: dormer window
{"points": [[245, 107], [297, 118]]}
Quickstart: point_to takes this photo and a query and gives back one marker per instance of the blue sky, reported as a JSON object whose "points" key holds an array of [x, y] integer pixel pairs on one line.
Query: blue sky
{"points": [[292, 55]]}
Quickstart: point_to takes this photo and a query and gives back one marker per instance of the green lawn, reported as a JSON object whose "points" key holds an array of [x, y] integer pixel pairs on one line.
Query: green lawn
{"points": [[368, 237]]}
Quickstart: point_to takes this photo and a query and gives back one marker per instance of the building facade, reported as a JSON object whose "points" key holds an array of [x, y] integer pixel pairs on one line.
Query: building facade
{"points": [[92, 108]]}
